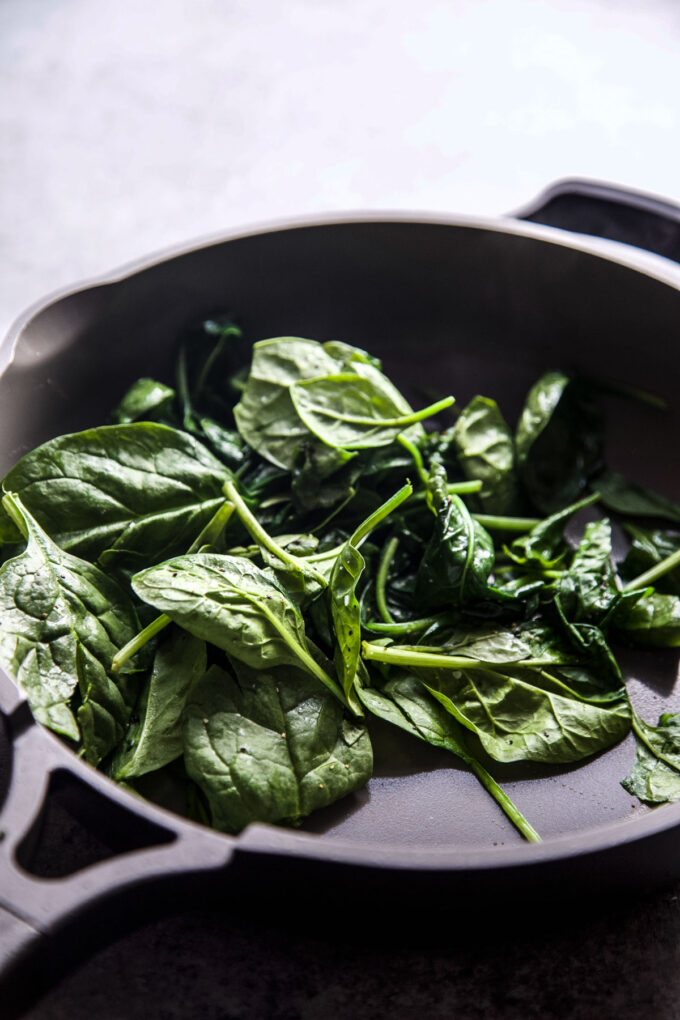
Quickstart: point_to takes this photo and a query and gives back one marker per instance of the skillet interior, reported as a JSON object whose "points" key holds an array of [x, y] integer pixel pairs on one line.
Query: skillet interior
{"points": [[449, 307]]}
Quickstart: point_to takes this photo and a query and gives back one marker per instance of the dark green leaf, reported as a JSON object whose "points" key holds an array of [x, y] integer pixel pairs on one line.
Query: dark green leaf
{"points": [[62, 622], [655, 777], [141, 488], [544, 546], [632, 500], [146, 400], [231, 603], [486, 451], [459, 557], [265, 415], [517, 720], [558, 441], [154, 736], [653, 620], [271, 746]]}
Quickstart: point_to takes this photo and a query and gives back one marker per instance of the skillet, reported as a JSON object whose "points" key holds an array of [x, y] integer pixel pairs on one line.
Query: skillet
{"points": [[477, 305]]}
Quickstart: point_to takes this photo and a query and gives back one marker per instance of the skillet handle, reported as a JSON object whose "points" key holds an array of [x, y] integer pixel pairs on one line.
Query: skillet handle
{"points": [[609, 211], [155, 863]]}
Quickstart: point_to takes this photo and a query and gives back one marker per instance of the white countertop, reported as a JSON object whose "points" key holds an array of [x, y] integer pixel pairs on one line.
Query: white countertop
{"points": [[128, 127]]}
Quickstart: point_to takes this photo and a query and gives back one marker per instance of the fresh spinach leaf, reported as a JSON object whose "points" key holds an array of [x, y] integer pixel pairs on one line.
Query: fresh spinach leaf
{"points": [[631, 500], [141, 488], [233, 604], [559, 441], [356, 410], [62, 620], [518, 720], [459, 558], [652, 620], [270, 745], [485, 449], [655, 777], [154, 736], [146, 400]]}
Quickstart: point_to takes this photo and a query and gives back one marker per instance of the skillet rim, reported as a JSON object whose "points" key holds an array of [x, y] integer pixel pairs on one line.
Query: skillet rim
{"points": [[258, 837]]}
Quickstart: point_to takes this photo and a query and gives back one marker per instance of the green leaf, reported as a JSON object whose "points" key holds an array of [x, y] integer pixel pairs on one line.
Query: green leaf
{"points": [[558, 441], [355, 410], [649, 549], [632, 500], [154, 736], [655, 777], [62, 621], [271, 746], [265, 415], [345, 607], [588, 591], [517, 720], [459, 557], [146, 400], [544, 547], [403, 701], [485, 449], [231, 603], [653, 620], [142, 488]]}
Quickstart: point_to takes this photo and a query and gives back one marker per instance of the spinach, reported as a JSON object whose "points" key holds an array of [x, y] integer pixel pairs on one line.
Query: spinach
{"points": [[649, 549], [140, 488], [146, 400], [62, 620], [459, 557], [154, 736], [265, 415], [270, 745], [356, 410], [655, 777], [486, 451], [211, 597], [559, 440], [405, 703], [235, 605], [631, 500]]}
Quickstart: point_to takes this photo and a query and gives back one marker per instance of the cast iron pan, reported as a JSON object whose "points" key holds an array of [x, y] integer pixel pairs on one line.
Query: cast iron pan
{"points": [[469, 306]]}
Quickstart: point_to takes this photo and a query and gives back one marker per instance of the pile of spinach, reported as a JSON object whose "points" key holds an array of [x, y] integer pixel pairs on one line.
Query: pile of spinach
{"points": [[215, 593]]}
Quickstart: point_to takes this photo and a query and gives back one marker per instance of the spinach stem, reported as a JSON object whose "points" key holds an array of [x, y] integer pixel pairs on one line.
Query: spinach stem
{"points": [[305, 658], [404, 655], [9, 503], [213, 529], [263, 538], [494, 522], [409, 626], [417, 457], [351, 493], [655, 572], [207, 536], [139, 640], [381, 513], [502, 799], [386, 558]]}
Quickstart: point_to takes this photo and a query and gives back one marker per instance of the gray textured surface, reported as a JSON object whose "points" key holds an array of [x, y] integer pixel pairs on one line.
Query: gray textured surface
{"points": [[126, 127]]}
